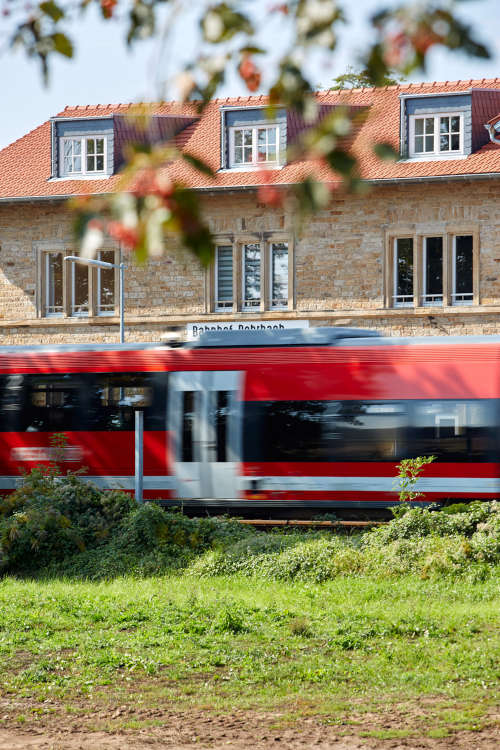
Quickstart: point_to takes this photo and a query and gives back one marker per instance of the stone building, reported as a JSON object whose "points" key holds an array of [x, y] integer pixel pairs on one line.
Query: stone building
{"points": [[417, 253]]}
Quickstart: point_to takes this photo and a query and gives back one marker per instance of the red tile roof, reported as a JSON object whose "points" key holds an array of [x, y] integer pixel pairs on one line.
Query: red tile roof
{"points": [[25, 165]]}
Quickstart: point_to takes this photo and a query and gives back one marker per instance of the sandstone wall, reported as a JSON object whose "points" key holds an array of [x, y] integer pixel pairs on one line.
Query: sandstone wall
{"points": [[340, 258]]}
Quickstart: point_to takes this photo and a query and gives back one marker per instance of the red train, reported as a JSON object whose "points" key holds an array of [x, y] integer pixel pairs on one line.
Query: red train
{"points": [[305, 418]]}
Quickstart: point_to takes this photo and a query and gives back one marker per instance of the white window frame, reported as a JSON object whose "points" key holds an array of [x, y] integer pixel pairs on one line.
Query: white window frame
{"points": [[425, 301], [436, 151], [254, 163], [68, 286], [84, 171], [74, 312], [99, 312], [225, 306], [272, 243], [258, 302], [469, 295], [46, 282], [396, 302]]}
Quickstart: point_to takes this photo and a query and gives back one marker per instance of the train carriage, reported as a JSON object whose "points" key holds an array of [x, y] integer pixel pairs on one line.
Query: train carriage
{"points": [[306, 418]]}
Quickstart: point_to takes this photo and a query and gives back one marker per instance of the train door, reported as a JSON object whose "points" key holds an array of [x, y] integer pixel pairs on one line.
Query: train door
{"points": [[205, 433]]}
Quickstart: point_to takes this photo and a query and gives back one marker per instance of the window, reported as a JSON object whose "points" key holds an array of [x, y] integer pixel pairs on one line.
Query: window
{"points": [[224, 277], [118, 397], [370, 430], [83, 156], [435, 270], [403, 272], [79, 289], [54, 286], [188, 426], [72, 153], [53, 403], [265, 276], [454, 430], [95, 154], [462, 293], [432, 282], [105, 401], [251, 276], [436, 135], [252, 146], [66, 286], [115, 397], [106, 284], [279, 275], [324, 431]]}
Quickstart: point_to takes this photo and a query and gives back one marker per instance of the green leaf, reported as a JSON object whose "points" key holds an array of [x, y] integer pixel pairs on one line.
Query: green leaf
{"points": [[198, 164], [62, 44], [221, 22], [311, 195], [341, 161], [386, 152], [52, 10], [249, 49]]}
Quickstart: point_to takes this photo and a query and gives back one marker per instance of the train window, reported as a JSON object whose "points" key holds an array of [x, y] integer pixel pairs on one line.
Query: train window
{"points": [[56, 403], [368, 431], [12, 406], [188, 426], [52, 403], [454, 430], [116, 397], [222, 414], [324, 431]]}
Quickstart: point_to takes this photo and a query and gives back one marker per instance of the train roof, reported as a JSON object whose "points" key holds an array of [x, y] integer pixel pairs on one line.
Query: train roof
{"points": [[293, 337], [316, 336]]}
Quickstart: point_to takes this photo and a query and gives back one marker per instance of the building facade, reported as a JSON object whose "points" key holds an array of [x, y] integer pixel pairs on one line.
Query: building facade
{"points": [[418, 253]]}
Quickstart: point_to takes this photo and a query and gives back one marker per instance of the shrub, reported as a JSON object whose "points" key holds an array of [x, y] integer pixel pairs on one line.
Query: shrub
{"points": [[419, 522], [426, 543], [50, 517], [149, 527], [409, 471], [61, 525]]}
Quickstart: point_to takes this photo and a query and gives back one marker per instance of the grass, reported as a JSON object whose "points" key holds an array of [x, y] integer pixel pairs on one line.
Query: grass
{"points": [[335, 650]]}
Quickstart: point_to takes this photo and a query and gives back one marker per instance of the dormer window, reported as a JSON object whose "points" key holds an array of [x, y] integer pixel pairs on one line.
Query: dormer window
{"points": [[83, 156], [253, 146], [436, 135]]}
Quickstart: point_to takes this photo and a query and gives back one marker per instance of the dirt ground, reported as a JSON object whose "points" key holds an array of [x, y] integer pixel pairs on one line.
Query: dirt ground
{"points": [[158, 729]]}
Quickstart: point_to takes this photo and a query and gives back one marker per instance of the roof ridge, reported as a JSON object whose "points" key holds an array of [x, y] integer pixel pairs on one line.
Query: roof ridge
{"points": [[261, 97], [122, 105], [414, 84]]}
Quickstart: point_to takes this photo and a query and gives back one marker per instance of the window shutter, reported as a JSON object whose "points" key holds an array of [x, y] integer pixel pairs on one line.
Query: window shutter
{"points": [[224, 276]]}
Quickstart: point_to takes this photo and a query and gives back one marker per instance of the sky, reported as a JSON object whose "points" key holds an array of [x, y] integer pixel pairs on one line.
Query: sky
{"points": [[105, 71]]}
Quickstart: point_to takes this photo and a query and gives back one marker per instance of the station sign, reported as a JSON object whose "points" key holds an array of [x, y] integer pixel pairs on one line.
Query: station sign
{"points": [[194, 330]]}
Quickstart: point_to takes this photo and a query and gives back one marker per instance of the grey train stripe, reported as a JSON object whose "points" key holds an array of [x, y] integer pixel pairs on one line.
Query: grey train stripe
{"points": [[105, 482], [369, 484], [298, 484]]}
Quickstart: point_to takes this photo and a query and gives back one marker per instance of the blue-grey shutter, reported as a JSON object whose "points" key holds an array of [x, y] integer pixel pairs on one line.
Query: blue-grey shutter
{"points": [[224, 271]]}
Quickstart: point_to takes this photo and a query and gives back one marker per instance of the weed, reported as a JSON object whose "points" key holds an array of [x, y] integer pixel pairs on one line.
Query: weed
{"points": [[438, 733], [230, 619], [300, 626], [387, 734]]}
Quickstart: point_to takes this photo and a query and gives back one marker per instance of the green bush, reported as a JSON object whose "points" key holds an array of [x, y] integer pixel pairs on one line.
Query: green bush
{"points": [[61, 525], [422, 542], [51, 517], [149, 527], [420, 522]]}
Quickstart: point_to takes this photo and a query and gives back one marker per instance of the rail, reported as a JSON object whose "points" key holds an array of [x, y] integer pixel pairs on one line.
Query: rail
{"points": [[328, 524]]}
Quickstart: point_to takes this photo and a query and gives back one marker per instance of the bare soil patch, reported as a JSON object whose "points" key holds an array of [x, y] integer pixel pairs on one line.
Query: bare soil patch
{"points": [[54, 727]]}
